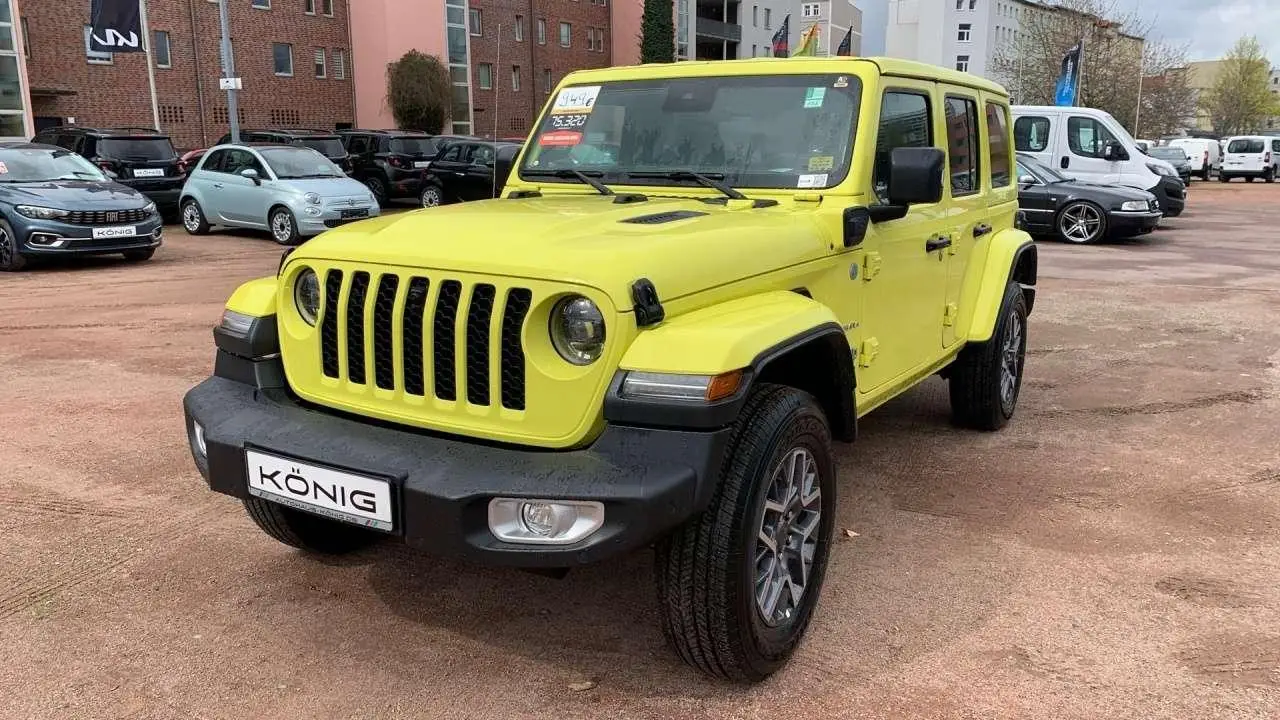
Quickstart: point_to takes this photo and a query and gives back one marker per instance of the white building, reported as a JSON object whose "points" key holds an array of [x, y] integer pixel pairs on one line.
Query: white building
{"points": [[964, 34], [731, 29]]}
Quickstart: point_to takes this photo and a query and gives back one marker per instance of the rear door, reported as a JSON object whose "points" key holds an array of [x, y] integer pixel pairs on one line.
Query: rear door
{"points": [[1245, 155], [1033, 135], [968, 164], [479, 180]]}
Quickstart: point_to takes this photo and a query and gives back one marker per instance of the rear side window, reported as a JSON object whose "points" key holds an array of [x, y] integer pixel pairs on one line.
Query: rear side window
{"points": [[904, 122], [357, 144], [962, 145], [998, 127], [329, 147], [136, 149], [414, 146], [1275, 146], [1087, 137], [1246, 145], [1031, 134]]}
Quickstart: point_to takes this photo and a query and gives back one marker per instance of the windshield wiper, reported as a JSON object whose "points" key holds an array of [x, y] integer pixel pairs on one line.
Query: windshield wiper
{"points": [[588, 178], [711, 180]]}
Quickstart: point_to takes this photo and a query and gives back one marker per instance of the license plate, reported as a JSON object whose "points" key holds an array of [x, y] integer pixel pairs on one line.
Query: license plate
{"points": [[356, 499], [148, 172], [355, 213], [422, 164], [107, 233]]}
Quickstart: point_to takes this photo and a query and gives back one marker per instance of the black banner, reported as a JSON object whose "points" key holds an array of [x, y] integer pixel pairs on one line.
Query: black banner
{"points": [[116, 26]]}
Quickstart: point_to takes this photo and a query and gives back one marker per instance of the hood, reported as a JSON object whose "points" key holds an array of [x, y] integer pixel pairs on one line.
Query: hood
{"points": [[73, 195], [682, 245], [1116, 193], [328, 187]]}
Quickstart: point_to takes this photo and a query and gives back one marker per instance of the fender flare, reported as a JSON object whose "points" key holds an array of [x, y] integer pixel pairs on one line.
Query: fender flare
{"points": [[1012, 257]]}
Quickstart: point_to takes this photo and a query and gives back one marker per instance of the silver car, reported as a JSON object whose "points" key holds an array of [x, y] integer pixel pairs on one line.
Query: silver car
{"points": [[295, 192]]}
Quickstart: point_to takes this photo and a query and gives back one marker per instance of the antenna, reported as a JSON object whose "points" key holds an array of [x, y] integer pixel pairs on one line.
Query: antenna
{"points": [[493, 175]]}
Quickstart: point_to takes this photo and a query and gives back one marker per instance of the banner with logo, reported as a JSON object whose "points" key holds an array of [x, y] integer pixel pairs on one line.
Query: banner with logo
{"points": [[846, 45], [116, 26], [782, 39], [1069, 79], [808, 42]]}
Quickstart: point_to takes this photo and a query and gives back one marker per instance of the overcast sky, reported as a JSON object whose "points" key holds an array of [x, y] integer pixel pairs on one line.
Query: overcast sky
{"points": [[1208, 27]]}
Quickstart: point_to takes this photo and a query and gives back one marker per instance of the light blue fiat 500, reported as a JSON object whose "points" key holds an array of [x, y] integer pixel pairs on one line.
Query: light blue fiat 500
{"points": [[294, 192]]}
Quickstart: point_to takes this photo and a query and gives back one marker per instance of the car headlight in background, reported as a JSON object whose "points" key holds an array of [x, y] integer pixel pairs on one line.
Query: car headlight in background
{"points": [[577, 330], [41, 213], [149, 208], [1161, 170], [312, 198], [1135, 206], [306, 295]]}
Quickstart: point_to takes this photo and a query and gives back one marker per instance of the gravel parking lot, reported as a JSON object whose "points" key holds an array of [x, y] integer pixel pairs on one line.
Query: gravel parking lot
{"points": [[1114, 553]]}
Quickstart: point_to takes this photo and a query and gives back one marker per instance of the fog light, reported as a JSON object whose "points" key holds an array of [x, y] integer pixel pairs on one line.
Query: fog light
{"points": [[544, 522], [47, 240], [197, 432]]}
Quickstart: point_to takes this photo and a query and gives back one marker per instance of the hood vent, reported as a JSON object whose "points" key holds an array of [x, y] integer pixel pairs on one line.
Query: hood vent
{"points": [[665, 217]]}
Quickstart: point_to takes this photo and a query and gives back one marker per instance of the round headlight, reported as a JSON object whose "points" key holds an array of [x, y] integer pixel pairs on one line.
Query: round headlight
{"points": [[306, 295], [312, 198], [577, 330]]}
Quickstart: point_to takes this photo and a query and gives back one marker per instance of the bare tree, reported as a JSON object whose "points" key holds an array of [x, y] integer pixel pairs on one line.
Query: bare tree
{"points": [[1240, 100]]}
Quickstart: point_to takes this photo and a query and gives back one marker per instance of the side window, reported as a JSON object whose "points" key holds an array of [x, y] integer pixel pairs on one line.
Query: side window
{"points": [[216, 161], [483, 155], [1087, 137], [904, 122], [1275, 146], [962, 145], [453, 153], [357, 144], [1031, 134], [252, 161], [998, 127]]}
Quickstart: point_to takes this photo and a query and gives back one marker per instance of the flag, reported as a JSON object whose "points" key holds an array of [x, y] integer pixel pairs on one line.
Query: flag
{"points": [[808, 42], [846, 45], [1069, 79], [782, 39], [116, 26]]}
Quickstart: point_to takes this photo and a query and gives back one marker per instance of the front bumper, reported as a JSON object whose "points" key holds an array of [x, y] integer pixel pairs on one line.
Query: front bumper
{"points": [[330, 217], [50, 237], [1172, 195], [1123, 223], [649, 481]]}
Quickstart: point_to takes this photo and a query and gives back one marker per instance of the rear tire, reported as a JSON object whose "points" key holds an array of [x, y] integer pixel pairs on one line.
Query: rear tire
{"points": [[1249, 179], [378, 187], [139, 255], [987, 377], [432, 196], [193, 219], [11, 259], [1270, 176], [727, 580], [305, 531]]}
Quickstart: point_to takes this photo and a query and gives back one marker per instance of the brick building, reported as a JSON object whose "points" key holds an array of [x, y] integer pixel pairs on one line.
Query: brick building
{"points": [[293, 55]]}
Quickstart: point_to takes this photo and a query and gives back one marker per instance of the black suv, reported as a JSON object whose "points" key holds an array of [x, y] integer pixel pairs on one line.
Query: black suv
{"points": [[391, 162], [322, 141], [141, 158]]}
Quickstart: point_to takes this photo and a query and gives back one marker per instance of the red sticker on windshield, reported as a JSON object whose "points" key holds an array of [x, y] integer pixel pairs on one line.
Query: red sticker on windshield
{"points": [[560, 138]]}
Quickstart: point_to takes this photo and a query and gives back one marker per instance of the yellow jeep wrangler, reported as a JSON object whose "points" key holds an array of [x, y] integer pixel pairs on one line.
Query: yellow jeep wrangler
{"points": [[696, 277]]}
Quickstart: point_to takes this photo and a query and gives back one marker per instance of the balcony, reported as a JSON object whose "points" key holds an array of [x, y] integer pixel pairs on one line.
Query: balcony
{"points": [[714, 29]]}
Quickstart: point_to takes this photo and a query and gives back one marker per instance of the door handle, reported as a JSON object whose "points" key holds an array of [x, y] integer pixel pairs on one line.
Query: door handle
{"points": [[1066, 162], [981, 230], [938, 243], [459, 174], [217, 185]]}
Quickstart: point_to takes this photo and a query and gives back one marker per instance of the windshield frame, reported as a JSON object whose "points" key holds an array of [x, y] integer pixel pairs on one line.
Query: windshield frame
{"points": [[266, 154], [78, 163], [831, 83]]}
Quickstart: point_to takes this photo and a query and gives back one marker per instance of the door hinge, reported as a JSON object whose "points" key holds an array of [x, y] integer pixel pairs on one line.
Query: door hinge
{"points": [[867, 352], [949, 315], [871, 265]]}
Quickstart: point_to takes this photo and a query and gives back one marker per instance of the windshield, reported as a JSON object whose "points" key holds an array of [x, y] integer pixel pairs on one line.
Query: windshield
{"points": [[136, 148], [34, 165], [1042, 172], [760, 131], [292, 163], [420, 146], [1246, 145], [329, 147], [1172, 154]]}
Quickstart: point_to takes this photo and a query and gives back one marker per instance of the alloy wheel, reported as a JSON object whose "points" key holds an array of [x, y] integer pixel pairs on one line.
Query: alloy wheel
{"points": [[787, 540], [282, 227], [1012, 357], [191, 218], [430, 197], [1080, 223], [6, 248]]}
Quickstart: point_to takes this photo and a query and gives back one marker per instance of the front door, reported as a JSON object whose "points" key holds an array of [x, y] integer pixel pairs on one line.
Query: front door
{"points": [[905, 268], [242, 199], [1082, 153], [479, 181]]}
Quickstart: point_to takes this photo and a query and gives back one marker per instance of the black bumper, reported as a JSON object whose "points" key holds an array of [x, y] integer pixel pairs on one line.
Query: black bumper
{"points": [[649, 481], [1128, 224], [1172, 195]]}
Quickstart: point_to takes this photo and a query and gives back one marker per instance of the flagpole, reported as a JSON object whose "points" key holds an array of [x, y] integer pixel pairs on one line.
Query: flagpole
{"points": [[151, 70]]}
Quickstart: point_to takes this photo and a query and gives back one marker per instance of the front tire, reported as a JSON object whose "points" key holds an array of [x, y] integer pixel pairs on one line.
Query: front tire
{"points": [[1223, 177], [432, 196], [738, 584], [284, 229], [305, 531], [1082, 223], [987, 377], [193, 219], [11, 259]]}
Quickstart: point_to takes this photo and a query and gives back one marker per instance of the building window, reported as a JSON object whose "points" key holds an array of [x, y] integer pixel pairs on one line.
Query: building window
{"points": [[810, 10], [515, 78], [595, 39], [519, 28], [328, 7], [455, 18], [477, 22], [547, 82], [93, 56], [26, 39], [262, 4], [309, 7], [339, 65], [282, 58], [517, 124], [566, 34], [542, 31], [484, 76], [321, 68], [962, 63], [755, 16], [768, 19], [966, 32]]}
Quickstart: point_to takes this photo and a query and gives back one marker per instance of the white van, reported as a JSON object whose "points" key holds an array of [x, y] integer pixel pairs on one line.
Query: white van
{"points": [[1090, 146], [1249, 157], [1204, 154]]}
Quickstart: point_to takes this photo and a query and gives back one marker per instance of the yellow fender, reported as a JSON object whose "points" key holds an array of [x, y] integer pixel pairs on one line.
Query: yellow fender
{"points": [[1011, 256], [256, 298]]}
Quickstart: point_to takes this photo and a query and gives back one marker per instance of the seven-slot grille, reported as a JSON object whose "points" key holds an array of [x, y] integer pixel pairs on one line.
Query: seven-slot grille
{"points": [[106, 217], [428, 330]]}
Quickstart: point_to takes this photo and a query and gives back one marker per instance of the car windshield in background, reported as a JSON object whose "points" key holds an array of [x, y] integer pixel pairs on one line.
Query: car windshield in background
{"points": [[329, 147], [420, 146], [1246, 146], [18, 166], [137, 148], [1172, 154], [1040, 171], [294, 163], [757, 131]]}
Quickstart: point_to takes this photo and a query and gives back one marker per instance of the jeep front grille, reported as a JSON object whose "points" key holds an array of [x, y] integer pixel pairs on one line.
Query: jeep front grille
{"points": [[428, 328]]}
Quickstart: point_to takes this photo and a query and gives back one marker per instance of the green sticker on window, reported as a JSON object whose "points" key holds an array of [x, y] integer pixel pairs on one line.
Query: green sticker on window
{"points": [[814, 96]]}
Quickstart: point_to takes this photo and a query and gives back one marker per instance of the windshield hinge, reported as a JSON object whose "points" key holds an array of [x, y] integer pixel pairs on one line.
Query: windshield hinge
{"points": [[648, 308], [807, 197]]}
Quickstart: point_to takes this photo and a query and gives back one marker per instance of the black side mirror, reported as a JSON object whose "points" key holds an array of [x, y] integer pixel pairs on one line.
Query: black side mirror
{"points": [[915, 176], [856, 222], [1114, 152]]}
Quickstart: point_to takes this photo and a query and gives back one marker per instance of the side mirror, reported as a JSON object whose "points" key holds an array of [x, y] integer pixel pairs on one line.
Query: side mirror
{"points": [[1114, 152], [252, 175], [915, 176], [1026, 180]]}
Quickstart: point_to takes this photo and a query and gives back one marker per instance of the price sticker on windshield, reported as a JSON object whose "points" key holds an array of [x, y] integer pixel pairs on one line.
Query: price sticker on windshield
{"points": [[576, 100], [569, 122]]}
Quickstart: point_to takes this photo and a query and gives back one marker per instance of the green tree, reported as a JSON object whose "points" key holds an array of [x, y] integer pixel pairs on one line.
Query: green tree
{"points": [[419, 92], [1240, 100], [658, 32]]}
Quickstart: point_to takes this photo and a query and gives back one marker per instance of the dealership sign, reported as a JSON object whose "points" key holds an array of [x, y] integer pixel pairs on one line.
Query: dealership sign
{"points": [[116, 26]]}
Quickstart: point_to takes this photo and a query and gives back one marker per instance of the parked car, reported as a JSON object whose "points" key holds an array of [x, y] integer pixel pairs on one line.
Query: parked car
{"points": [[467, 170], [294, 192], [1088, 144], [1250, 157], [56, 203], [140, 158], [1204, 154], [1081, 212], [391, 162], [189, 159], [1175, 156], [324, 142], [569, 375]]}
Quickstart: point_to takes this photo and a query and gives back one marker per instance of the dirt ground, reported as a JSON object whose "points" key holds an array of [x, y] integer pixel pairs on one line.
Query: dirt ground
{"points": [[1114, 553]]}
